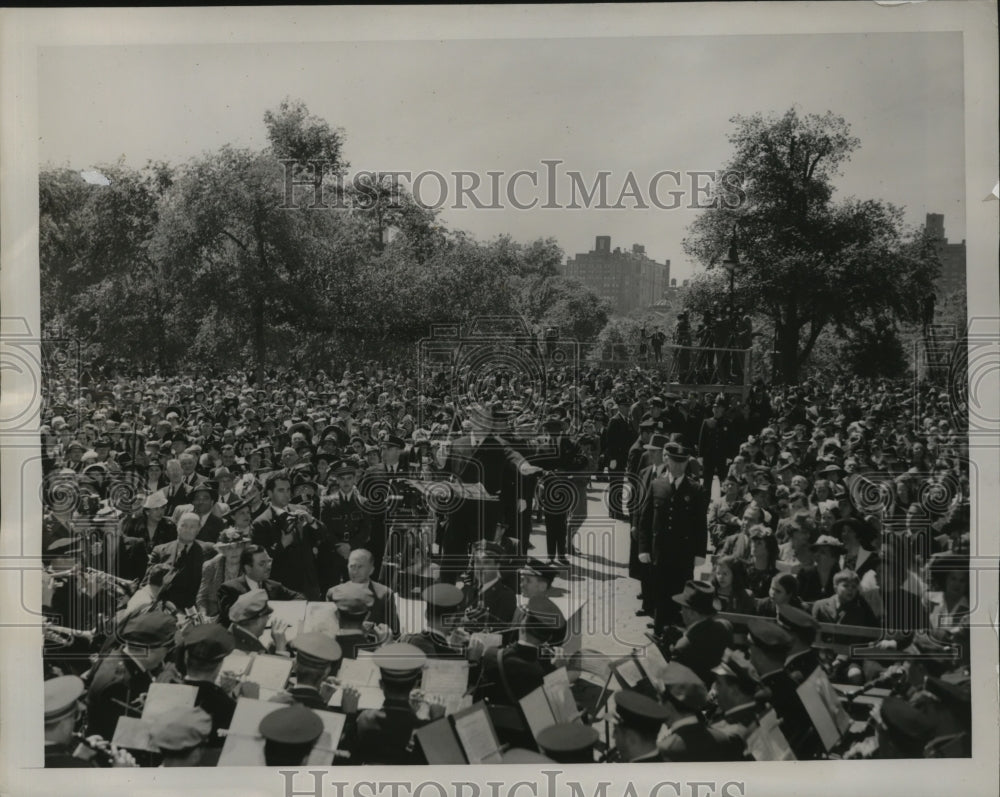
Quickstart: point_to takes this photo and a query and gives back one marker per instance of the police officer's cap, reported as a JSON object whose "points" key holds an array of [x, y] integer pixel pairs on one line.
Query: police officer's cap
{"points": [[734, 665], [800, 623], [684, 687], [394, 441], [518, 755], [249, 606], [568, 741], [353, 600], [400, 662], [293, 725], [635, 710], [153, 629], [207, 642], [442, 596], [180, 728], [769, 637], [316, 649], [342, 467], [956, 696], [61, 696]]}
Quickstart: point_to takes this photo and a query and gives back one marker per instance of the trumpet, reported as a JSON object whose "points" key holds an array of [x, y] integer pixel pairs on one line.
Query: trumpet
{"points": [[64, 636]]}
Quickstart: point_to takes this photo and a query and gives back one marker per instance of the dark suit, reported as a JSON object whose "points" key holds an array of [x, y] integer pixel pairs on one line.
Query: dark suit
{"points": [[715, 443], [493, 608], [702, 646], [493, 463], [295, 565], [180, 587], [383, 737], [211, 528], [699, 742], [559, 456], [384, 608], [231, 590], [618, 437], [175, 497], [672, 529], [856, 612]]}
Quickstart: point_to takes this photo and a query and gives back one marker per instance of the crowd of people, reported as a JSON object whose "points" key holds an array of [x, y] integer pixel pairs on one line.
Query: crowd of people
{"points": [[179, 508]]}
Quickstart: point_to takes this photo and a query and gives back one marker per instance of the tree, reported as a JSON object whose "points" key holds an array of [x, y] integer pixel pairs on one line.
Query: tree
{"points": [[805, 261]]}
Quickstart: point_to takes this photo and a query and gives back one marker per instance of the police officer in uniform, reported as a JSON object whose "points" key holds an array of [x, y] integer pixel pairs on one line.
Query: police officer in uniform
{"points": [[568, 743], [672, 531], [735, 688], [348, 526], [289, 735]]}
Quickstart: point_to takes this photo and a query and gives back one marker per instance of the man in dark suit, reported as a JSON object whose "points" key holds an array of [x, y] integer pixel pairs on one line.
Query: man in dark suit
{"points": [[845, 606], [715, 443], [202, 497], [482, 457], [185, 555], [176, 491], [360, 567], [289, 536], [706, 637], [618, 437], [688, 737], [556, 454], [672, 530], [255, 563], [491, 603], [137, 539], [189, 465]]}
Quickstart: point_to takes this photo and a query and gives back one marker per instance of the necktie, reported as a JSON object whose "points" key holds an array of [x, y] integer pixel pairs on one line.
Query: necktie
{"points": [[182, 557]]}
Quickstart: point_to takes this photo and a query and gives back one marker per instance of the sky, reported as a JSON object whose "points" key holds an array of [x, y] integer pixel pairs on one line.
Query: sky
{"points": [[639, 105]]}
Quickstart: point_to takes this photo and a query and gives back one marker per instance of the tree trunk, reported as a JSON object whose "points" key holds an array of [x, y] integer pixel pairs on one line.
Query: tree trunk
{"points": [[788, 353]]}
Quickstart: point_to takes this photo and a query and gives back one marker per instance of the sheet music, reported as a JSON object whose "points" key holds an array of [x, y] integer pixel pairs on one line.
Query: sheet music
{"points": [[445, 677], [439, 743], [320, 618], [244, 746], [368, 697], [237, 662], [560, 695], [629, 671], [292, 612], [477, 736], [488, 640], [359, 672], [537, 711], [270, 673], [823, 707], [653, 665], [133, 733], [767, 742], [163, 697]]}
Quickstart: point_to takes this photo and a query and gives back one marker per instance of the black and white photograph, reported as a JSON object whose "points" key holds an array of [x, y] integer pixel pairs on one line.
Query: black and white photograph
{"points": [[394, 394]]}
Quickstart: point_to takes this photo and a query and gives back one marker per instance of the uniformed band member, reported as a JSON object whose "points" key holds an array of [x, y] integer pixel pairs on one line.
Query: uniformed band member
{"points": [[249, 617], [180, 735], [62, 710], [688, 737], [568, 742], [803, 658], [122, 679], [204, 647], [289, 735], [638, 720], [490, 604], [354, 604], [385, 736], [735, 688], [443, 615], [316, 658]]}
